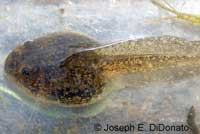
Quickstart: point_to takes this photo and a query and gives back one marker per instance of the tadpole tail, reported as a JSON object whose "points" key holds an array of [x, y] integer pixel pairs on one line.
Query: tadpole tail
{"points": [[191, 121]]}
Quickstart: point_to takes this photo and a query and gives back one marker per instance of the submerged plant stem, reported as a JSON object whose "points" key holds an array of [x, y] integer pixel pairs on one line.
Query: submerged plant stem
{"points": [[192, 18]]}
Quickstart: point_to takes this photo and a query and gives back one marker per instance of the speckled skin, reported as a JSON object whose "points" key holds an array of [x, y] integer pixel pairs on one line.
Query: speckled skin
{"points": [[36, 64], [46, 69]]}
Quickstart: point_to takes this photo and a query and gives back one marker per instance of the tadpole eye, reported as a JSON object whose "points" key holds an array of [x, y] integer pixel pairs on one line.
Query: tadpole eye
{"points": [[26, 71]]}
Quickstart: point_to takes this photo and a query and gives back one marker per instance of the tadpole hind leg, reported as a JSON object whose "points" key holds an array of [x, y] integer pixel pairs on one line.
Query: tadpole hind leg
{"points": [[191, 121]]}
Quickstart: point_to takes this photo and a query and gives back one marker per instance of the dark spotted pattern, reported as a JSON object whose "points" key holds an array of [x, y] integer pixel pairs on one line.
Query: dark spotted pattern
{"points": [[37, 65]]}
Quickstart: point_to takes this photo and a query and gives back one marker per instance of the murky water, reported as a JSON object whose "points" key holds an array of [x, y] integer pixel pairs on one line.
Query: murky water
{"points": [[108, 21]]}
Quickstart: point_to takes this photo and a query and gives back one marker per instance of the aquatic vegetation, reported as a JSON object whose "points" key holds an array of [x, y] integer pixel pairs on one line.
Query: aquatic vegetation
{"points": [[191, 18], [3, 89], [1, 98]]}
